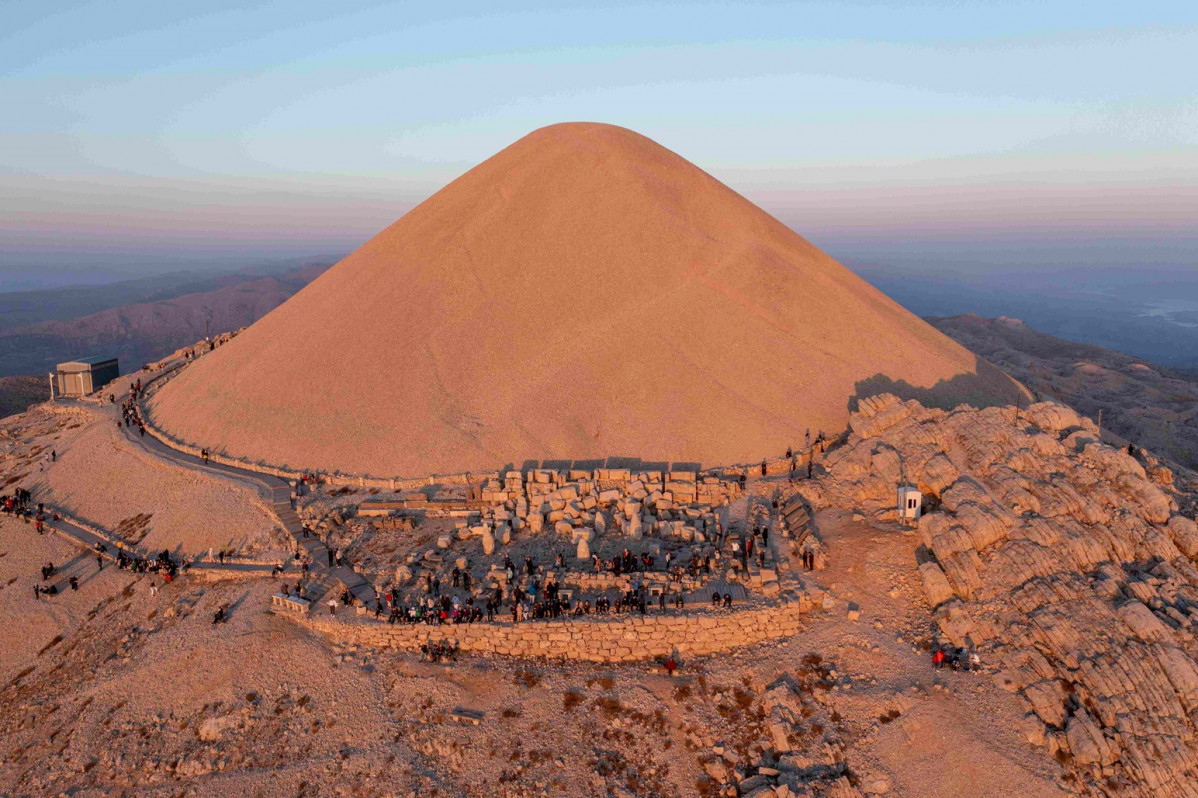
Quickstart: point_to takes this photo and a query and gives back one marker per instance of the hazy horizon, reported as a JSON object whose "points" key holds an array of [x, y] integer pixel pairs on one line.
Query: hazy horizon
{"points": [[955, 136]]}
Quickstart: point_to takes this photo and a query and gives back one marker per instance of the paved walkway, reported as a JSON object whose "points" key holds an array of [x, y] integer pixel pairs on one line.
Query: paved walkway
{"points": [[275, 491], [77, 533]]}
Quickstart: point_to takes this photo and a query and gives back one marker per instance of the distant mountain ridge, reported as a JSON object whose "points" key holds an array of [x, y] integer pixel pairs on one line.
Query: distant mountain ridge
{"points": [[29, 306], [143, 331]]}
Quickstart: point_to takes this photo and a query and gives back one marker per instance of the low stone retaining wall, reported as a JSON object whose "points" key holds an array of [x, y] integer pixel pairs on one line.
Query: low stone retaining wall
{"points": [[623, 638]]}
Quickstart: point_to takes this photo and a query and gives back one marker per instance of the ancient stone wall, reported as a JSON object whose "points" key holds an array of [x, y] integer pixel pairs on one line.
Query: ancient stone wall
{"points": [[621, 638]]}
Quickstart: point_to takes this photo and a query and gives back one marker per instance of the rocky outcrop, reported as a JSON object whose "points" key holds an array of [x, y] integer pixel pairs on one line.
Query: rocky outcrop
{"points": [[1064, 560]]}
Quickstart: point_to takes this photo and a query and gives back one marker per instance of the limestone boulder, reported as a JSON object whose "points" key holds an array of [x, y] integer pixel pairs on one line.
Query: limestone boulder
{"points": [[1184, 533], [716, 769], [1113, 462], [1159, 475], [1048, 700], [1087, 743], [1052, 417], [964, 490], [1012, 493], [1144, 624], [1033, 729], [935, 584], [931, 525], [950, 541], [963, 569], [937, 474], [1044, 445], [956, 624], [1181, 672], [984, 526], [1152, 503], [886, 464]]}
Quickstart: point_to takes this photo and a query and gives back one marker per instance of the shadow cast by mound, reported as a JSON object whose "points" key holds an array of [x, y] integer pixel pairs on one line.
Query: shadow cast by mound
{"points": [[986, 386]]}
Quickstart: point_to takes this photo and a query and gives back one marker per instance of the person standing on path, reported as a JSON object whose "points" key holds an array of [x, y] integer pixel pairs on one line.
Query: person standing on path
{"points": [[330, 552], [332, 606]]}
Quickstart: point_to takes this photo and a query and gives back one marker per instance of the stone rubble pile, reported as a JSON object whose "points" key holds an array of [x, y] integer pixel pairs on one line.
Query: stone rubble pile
{"points": [[1063, 559], [577, 504], [800, 752], [677, 509]]}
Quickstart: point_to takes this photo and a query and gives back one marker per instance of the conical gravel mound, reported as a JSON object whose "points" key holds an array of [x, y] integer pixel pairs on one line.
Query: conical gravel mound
{"points": [[584, 293]]}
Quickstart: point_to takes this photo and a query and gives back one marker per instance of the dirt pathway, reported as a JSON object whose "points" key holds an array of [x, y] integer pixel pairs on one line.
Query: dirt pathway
{"points": [[932, 733]]}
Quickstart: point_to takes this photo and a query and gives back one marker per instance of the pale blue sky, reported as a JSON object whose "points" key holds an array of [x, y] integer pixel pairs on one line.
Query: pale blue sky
{"points": [[144, 131]]}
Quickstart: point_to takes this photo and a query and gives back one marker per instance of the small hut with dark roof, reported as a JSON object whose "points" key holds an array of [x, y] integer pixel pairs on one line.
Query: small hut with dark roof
{"points": [[84, 376]]}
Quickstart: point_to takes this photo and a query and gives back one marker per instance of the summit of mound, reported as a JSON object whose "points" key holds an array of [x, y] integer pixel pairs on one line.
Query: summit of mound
{"points": [[583, 293]]}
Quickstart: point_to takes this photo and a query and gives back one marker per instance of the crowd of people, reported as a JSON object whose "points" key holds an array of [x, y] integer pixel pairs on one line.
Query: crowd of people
{"points": [[162, 564], [129, 412], [527, 600], [433, 611], [17, 503]]}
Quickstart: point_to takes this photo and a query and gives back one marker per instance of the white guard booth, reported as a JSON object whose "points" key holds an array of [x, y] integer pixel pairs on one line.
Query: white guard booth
{"points": [[910, 503]]}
